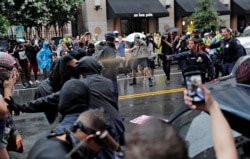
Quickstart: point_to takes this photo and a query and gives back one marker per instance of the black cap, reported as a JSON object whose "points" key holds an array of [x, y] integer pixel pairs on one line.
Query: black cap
{"points": [[196, 31], [109, 36], [149, 35]]}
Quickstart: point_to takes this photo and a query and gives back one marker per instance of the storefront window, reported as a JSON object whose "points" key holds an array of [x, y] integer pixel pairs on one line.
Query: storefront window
{"points": [[134, 25]]}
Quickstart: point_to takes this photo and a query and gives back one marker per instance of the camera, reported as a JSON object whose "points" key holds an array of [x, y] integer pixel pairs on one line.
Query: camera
{"points": [[192, 79]]}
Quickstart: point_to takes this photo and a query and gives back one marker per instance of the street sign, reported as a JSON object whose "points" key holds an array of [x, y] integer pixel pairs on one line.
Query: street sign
{"points": [[19, 32]]}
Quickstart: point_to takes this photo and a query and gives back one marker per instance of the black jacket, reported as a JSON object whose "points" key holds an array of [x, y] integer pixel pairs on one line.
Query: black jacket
{"points": [[109, 62], [45, 101], [101, 90], [196, 62]]}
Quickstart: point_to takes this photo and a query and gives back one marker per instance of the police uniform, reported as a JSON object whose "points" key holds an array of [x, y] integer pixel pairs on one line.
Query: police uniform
{"points": [[196, 62], [230, 52]]}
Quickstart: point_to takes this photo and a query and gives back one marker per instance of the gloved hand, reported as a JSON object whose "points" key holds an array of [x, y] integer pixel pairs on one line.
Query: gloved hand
{"points": [[12, 106]]}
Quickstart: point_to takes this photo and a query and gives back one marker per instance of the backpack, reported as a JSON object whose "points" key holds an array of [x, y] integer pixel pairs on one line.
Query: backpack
{"points": [[142, 51]]}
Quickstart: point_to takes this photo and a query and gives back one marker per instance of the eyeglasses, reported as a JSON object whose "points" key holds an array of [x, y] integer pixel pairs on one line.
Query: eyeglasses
{"points": [[84, 129]]}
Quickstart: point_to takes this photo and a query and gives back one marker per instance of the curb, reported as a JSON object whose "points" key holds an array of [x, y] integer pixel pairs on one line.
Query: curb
{"points": [[28, 117]]}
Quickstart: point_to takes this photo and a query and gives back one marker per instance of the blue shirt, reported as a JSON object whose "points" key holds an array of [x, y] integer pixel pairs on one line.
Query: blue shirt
{"points": [[121, 49]]}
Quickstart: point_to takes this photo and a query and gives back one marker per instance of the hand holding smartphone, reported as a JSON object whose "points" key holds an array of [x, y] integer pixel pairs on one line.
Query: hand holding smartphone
{"points": [[192, 79]]}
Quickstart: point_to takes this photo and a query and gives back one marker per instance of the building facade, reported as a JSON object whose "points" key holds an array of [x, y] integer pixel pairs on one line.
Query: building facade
{"points": [[127, 16]]}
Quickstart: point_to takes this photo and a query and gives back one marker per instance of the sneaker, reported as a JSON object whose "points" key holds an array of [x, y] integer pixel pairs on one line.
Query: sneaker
{"points": [[30, 83], [132, 83], [167, 81], [153, 79], [24, 86], [117, 76], [37, 82]]}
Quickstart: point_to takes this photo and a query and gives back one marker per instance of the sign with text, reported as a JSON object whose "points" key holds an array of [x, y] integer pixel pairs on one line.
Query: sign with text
{"points": [[19, 32], [143, 118], [138, 15]]}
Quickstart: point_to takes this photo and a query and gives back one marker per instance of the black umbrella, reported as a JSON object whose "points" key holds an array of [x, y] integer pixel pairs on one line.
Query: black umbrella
{"points": [[172, 29]]}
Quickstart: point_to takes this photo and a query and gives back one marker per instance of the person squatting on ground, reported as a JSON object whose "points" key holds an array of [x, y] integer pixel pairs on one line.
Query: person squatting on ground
{"points": [[223, 140], [140, 57], [231, 50], [195, 60], [8, 76], [87, 130], [44, 59]]}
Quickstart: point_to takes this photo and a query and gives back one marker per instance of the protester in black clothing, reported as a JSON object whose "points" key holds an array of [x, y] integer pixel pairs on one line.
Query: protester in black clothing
{"points": [[182, 46], [166, 50], [92, 91], [86, 130], [31, 51], [195, 60], [90, 49], [23, 62], [47, 95]]}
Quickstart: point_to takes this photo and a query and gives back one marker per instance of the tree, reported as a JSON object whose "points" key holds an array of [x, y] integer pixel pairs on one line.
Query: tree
{"points": [[39, 13], [4, 24], [205, 17]]}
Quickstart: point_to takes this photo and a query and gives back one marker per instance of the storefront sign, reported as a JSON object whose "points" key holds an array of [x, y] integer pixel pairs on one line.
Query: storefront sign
{"points": [[136, 15]]}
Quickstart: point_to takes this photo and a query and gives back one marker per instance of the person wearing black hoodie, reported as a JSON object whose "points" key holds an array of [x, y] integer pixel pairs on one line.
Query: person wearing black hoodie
{"points": [[95, 92], [47, 95]]}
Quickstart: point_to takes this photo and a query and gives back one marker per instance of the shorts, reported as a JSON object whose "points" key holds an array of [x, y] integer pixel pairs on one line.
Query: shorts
{"points": [[143, 62], [34, 67], [151, 63]]}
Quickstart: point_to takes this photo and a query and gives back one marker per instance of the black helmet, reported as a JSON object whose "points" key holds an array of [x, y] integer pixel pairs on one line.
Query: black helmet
{"points": [[109, 36], [149, 35], [196, 31]]}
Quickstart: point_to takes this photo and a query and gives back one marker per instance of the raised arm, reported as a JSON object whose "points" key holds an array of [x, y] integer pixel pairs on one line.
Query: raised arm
{"points": [[221, 132]]}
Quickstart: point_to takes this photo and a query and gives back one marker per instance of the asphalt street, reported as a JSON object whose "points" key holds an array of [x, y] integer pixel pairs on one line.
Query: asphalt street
{"points": [[140, 100]]}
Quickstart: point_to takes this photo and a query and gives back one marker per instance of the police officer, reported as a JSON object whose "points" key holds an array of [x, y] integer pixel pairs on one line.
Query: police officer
{"points": [[108, 60], [231, 50], [195, 60]]}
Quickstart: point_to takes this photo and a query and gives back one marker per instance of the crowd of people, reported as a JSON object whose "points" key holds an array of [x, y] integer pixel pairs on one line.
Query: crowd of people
{"points": [[91, 125]]}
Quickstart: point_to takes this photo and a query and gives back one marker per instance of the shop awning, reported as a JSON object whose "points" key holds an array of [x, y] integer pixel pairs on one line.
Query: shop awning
{"points": [[240, 7], [135, 9], [187, 7]]}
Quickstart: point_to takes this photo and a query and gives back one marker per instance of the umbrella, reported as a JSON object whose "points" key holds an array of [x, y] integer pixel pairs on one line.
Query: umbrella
{"points": [[130, 37], [172, 29]]}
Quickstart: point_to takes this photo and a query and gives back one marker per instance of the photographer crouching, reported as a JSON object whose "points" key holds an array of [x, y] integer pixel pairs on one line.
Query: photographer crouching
{"points": [[88, 136]]}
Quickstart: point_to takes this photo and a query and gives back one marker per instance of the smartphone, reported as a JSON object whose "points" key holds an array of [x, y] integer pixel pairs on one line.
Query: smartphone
{"points": [[192, 79]]}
